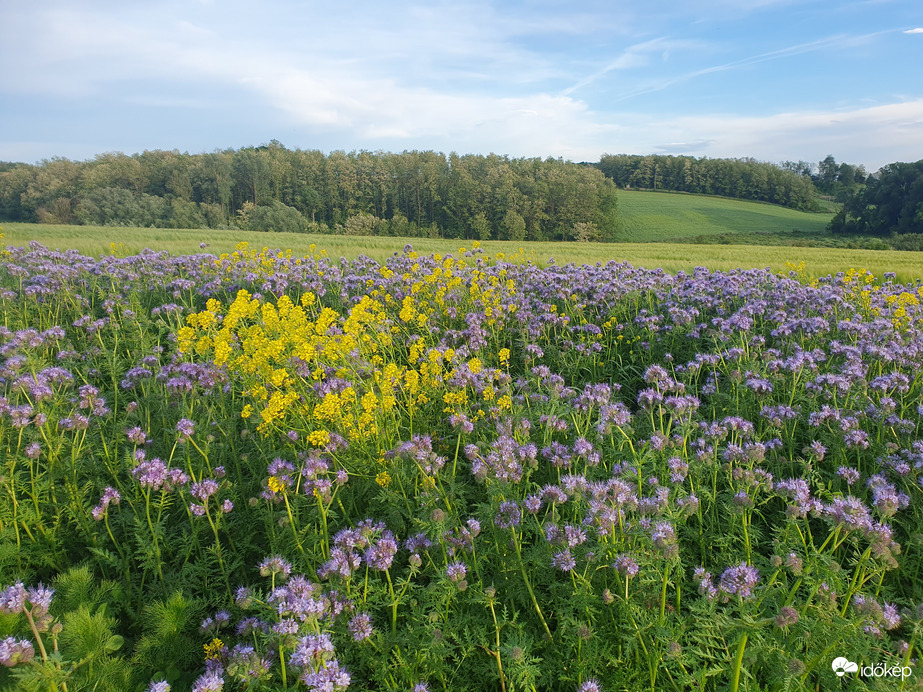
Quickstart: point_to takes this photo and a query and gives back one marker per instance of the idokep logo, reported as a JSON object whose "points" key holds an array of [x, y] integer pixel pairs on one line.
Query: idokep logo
{"points": [[841, 666]]}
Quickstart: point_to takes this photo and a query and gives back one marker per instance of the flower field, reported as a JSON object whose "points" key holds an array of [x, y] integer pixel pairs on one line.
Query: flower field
{"points": [[257, 471]]}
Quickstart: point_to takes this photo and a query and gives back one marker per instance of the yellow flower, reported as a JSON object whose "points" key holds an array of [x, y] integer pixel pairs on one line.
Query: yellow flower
{"points": [[383, 479], [213, 649], [475, 365], [275, 484], [319, 438]]}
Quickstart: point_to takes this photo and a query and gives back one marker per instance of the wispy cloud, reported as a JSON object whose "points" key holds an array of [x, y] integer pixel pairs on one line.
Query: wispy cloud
{"points": [[637, 56], [838, 42], [918, 30]]}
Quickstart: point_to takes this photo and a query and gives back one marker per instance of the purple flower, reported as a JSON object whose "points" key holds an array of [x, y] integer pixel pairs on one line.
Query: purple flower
{"points": [[40, 598], [312, 650], [678, 469], [330, 678], [343, 561], [574, 535], [706, 583], [136, 435], [590, 685], [664, 538], [739, 580], [274, 565], [185, 428], [210, 681], [175, 478], [150, 474], [380, 555], [13, 598], [890, 616], [564, 561], [360, 626], [850, 475], [159, 686], [204, 489], [850, 512], [552, 494], [15, 651], [509, 515], [109, 496], [626, 565], [456, 571], [787, 616], [285, 626]]}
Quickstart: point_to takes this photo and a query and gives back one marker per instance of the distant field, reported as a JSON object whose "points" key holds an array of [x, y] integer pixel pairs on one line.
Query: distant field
{"points": [[670, 257], [660, 216]]}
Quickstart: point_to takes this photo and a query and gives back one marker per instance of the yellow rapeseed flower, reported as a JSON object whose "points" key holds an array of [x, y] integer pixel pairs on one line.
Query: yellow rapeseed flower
{"points": [[213, 649], [319, 438]]}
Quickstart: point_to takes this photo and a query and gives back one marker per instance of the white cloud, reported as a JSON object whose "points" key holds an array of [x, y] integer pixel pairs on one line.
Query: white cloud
{"points": [[461, 77], [918, 30], [873, 135]]}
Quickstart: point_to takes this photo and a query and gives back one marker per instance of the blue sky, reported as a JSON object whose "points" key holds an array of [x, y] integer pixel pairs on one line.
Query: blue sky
{"points": [[772, 79]]}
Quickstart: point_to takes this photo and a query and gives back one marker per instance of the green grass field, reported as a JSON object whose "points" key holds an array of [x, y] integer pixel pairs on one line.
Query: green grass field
{"points": [[671, 257], [673, 217], [658, 230]]}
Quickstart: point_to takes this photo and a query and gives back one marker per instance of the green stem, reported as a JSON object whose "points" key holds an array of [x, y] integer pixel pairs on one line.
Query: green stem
{"points": [[525, 578], [150, 524], [663, 591], [393, 603], [291, 522], [738, 661]]}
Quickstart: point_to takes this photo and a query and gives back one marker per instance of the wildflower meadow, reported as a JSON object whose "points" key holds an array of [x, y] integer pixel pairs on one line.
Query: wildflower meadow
{"points": [[258, 471]]}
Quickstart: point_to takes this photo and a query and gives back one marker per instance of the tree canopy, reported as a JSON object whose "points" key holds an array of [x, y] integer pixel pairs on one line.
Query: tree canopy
{"points": [[271, 187], [788, 185], [891, 202]]}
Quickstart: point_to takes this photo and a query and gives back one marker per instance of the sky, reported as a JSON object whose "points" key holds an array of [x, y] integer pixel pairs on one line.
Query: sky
{"points": [[776, 80]]}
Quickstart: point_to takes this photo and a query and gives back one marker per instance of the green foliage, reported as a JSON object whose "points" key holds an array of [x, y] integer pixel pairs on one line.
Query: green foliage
{"points": [[276, 217], [740, 178], [271, 188], [77, 642], [167, 645], [138, 575], [890, 202]]}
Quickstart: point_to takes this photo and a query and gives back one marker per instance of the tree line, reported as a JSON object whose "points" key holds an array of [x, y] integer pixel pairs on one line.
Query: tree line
{"points": [[789, 184], [271, 187], [890, 202]]}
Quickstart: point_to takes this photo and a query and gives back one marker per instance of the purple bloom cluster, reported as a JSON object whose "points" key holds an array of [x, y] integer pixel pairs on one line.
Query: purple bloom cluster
{"points": [[110, 496], [15, 651]]}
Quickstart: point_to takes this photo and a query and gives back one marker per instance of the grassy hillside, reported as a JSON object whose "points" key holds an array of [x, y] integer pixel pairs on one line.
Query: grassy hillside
{"points": [[671, 257], [675, 217]]}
